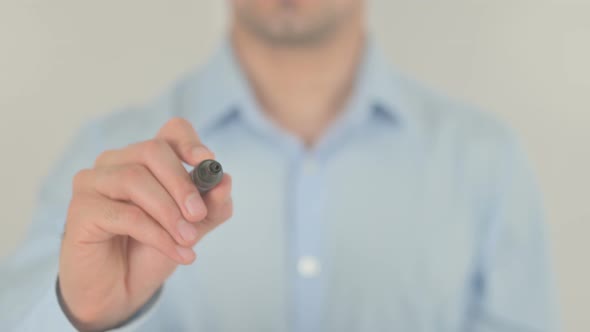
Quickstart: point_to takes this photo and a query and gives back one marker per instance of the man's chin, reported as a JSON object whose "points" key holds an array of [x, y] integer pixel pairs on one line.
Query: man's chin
{"points": [[292, 30]]}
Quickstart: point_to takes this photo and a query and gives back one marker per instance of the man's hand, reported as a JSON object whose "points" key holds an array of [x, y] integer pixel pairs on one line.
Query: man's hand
{"points": [[132, 219]]}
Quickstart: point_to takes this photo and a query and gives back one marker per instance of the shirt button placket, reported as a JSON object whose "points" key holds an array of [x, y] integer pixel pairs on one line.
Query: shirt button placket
{"points": [[307, 239]]}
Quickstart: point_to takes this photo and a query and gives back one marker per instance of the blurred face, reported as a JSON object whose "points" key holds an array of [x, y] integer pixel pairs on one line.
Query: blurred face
{"points": [[295, 22]]}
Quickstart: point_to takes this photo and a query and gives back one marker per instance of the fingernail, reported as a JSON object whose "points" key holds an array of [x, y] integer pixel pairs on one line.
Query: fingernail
{"points": [[200, 151], [187, 231], [186, 253], [194, 204]]}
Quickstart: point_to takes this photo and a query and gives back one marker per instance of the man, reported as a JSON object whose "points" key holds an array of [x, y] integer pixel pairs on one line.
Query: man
{"points": [[363, 202]]}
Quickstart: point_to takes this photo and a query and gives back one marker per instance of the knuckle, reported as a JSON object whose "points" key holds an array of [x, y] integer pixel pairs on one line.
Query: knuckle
{"points": [[154, 147], [80, 179], [80, 199], [77, 207], [134, 173], [176, 122], [103, 158]]}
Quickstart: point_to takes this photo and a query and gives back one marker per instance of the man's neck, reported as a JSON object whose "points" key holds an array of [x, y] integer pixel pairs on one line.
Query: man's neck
{"points": [[302, 89]]}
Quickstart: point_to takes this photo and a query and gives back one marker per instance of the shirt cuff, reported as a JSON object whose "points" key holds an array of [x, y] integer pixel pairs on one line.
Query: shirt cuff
{"points": [[48, 315], [141, 316]]}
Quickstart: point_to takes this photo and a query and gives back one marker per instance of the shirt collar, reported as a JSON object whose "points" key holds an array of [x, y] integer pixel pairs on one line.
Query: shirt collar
{"points": [[220, 91], [377, 87], [216, 92]]}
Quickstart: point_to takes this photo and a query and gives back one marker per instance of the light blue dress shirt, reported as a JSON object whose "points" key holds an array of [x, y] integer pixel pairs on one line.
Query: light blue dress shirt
{"points": [[412, 213]]}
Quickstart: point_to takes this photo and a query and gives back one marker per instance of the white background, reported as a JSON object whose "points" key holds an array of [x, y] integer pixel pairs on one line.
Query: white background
{"points": [[64, 61]]}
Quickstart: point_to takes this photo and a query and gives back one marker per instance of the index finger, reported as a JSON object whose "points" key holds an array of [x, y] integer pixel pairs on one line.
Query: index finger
{"points": [[184, 140]]}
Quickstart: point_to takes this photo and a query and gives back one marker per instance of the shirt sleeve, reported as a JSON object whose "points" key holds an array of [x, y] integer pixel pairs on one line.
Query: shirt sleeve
{"points": [[28, 298], [515, 280]]}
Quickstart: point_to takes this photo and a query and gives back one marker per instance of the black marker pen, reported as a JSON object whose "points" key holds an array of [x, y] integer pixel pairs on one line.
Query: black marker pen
{"points": [[207, 175]]}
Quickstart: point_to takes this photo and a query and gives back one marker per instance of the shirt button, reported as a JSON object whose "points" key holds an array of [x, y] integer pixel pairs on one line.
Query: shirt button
{"points": [[310, 166], [308, 267]]}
